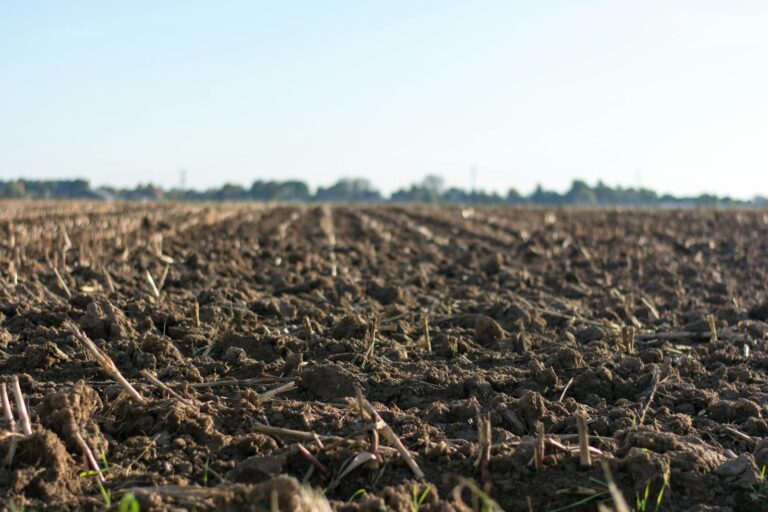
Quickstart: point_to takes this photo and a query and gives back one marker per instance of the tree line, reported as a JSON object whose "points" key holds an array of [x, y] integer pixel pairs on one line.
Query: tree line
{"points": [[431, 189]]}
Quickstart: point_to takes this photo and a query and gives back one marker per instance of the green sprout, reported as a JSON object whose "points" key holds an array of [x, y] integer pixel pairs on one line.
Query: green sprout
{"points": [[357, 494], [128, 503], [417, 500]]}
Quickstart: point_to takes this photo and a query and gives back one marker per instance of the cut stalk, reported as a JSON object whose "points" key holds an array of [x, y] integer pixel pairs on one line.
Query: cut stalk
{"points": [[427, 340], [89, 456], [21, 408], [152, 285], [105, 362], [390, 435], [61, 282], [581, 426], [10, 423]]}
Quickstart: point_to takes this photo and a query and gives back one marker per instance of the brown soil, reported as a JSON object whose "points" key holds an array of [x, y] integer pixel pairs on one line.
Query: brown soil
{"points": [[528, 311]]}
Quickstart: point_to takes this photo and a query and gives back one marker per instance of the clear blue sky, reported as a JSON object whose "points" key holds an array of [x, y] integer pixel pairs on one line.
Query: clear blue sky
{"points": [[668, 94]]}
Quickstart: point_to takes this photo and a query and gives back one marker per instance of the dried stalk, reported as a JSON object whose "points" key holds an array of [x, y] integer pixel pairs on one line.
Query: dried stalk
{"points": [[21, 408], [10, 423], [712, 328], [740, 435], [66, 243], [163, 277], [308, 331], [232, 382], [152, 286], [274, 392], [628, 337], [151, 377], [11, 449], [485, 439], [287, 432], [89, 456], [565, 390], [651, 395], [196, 313], [108, 279], [373, 328], [427, 340], [651, 308], [618, 499], [538, 453], [581, 426], [61, 282], [105, 362], [674, 335], [312, 459], [310, 436], [389, 434]]}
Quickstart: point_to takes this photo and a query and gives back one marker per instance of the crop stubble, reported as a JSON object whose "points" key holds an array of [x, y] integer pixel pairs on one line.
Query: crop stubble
{"points": [[497, 352]]}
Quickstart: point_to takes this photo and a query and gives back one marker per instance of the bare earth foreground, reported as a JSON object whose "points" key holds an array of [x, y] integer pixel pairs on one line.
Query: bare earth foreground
{"points": [[386, 358]]}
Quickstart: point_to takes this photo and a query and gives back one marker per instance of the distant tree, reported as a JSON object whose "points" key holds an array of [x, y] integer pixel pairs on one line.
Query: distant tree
{"points": [[541, 196], [514, 197], [16, 189], [580, 193], [231, 192], [348, 190], [430, 189], [294, 191]]}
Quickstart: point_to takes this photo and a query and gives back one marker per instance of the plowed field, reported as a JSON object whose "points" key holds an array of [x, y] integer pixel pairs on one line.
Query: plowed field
{"points": [[408, 358]]}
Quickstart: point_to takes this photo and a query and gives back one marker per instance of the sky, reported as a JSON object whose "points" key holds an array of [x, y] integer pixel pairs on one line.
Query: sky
{"points": [[670, 95]]}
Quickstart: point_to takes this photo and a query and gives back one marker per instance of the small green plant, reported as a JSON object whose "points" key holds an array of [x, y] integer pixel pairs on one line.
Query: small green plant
{"points": [[660, 496], [103, 457], [356, 495], [760, 489], [128, 503], [13, 507], [102, 470], [641, 503], [417, 500], [106, 494], [208, 473]]}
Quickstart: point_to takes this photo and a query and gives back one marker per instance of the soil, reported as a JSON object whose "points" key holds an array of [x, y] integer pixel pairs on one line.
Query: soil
{"points": [[533, 317]]}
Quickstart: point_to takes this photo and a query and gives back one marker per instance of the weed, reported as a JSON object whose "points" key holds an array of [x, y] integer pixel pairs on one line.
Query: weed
{"points": [[760, 489], [641, 503], [103, 457], [661, 492], [106, 494], [357, 494], [13, 507], [417, 500], [208, 472], [128, 503]]}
